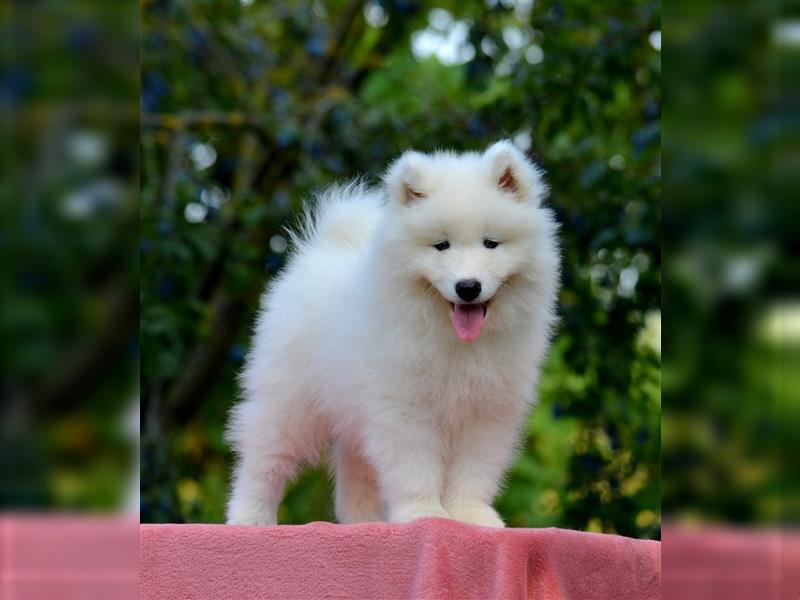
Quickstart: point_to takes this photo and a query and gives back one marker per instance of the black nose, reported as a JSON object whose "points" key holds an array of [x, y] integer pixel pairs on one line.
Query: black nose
{"points": [[468, 289]]}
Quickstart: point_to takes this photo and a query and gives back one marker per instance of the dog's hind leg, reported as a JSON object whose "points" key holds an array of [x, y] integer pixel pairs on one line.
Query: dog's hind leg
{"points": [[271, 440], [258, 485], [357, 493]]}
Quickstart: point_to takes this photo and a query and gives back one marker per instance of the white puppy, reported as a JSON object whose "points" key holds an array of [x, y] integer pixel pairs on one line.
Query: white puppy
{"points": [[407, 332]]}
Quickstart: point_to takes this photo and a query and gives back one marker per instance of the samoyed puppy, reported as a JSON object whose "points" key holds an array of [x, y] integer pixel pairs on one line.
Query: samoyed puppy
{"points": [[406, 335]]}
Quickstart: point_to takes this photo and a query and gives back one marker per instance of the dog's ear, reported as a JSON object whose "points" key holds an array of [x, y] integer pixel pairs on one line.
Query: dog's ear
{"points": [[404, 178], [513, 173]]}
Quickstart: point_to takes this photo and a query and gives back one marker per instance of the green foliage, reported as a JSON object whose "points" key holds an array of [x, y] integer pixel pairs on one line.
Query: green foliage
{"points": [[289, 97], [730, 381], [69, 264]]}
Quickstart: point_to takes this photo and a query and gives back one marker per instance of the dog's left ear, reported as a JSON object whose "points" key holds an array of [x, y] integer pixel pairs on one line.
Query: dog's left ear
{"points": [[405, 178], [515, 174]]}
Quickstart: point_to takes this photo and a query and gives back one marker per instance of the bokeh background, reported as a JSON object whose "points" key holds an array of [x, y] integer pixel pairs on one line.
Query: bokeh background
{"points": [[732, 349], [250, 107], [69, 211]]}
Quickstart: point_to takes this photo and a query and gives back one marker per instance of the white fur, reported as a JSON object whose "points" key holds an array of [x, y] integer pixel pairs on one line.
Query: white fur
{"points": [[354, 346]]}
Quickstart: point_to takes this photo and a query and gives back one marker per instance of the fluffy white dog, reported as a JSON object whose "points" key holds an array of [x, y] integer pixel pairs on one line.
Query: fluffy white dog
{"points": [[407, 333]]}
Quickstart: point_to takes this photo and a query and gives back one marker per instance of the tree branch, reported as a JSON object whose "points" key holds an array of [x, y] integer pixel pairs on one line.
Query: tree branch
{"points": [[200, 119]]}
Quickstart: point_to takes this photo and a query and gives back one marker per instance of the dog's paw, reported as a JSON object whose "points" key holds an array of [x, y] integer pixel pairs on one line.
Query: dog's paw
{"points": [[252, 518], [259, 522], [411, 512], [476, 514]]}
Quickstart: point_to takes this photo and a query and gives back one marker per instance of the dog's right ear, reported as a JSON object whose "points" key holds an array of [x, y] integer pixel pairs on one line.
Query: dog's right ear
{"points": [[515, 174], [404, 178]]}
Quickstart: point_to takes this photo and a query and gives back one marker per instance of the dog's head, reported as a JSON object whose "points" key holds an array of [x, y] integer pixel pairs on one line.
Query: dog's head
{"points": [[469, 226]]}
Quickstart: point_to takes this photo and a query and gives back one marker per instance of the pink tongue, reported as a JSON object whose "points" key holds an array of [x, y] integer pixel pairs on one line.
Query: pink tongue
{"points": [[468, 321]]}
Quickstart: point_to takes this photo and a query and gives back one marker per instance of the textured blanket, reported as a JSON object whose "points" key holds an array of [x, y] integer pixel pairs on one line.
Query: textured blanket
{"points": [[427, 559]]}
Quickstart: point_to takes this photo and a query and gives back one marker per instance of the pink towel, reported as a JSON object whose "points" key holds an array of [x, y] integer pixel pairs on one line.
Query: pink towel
{"points": [[428, 559], [68, 557], [731, 564]]}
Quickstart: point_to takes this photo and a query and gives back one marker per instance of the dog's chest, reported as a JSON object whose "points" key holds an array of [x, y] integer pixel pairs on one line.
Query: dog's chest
{"points": [[460, 380]]}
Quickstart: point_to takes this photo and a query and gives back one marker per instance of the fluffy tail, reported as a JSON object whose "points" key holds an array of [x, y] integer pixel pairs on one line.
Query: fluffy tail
{"points": [[342, 215]]}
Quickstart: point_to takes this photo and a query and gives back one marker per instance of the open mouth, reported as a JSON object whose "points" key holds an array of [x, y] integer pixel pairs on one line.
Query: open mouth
{"points": [[468, 319]]}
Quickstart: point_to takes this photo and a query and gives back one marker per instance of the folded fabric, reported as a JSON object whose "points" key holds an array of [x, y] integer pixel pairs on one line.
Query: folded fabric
{"points": [[68, 557], [427, 559], [715, 563]]}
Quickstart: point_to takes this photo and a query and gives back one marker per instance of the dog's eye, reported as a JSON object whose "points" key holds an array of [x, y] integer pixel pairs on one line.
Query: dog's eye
{"points": [[443, 245], [489, 243]]}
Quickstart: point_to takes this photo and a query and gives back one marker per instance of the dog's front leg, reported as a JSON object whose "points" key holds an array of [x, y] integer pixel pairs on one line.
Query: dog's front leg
{"points": [[407, 454], [480, 456]]}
